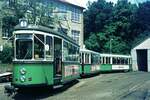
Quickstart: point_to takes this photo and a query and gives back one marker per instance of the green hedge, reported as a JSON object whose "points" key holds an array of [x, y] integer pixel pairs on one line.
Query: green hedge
{"points": [[6, 55]]}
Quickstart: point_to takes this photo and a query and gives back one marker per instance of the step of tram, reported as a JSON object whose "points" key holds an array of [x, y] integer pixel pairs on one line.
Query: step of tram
{"points": [[57, 80]]}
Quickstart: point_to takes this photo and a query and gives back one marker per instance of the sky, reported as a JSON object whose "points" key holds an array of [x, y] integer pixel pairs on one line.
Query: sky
{"points": [[84, 2]]}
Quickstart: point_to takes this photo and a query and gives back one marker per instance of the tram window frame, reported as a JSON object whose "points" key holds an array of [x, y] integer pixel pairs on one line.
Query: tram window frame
{"points": [[22, 37], [65, 51], [39, 48], [50, 42], [104, 60], [101, 58], [107, 60], [26, 54], [114, 60], [122, 61], [94, 59], [70, 52], [126, 61], [87, 58], [118, 60]]}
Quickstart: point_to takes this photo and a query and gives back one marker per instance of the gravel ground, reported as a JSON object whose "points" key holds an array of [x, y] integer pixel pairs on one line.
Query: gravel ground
{"points": [[112, 86]]}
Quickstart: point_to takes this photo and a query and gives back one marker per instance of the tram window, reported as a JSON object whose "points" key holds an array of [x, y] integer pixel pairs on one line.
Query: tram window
{"points": [[95, 59], [130, 61], [122, 60], [39, 46], [104, 60], [126, 61], [23, 49], [49, 53], [100, 60], [107, 60], [80, 58], [118, 61], [70, 52], [87, 61], [65, 51], [114, 60]]}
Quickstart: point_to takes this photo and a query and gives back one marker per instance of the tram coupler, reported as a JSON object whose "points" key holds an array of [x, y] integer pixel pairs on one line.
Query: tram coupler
{"points": [[10, 90]]}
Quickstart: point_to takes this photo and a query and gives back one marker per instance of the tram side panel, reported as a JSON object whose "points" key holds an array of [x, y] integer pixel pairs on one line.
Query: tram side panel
{"points": [[89, 63], [106, 65], [118, 63], [70, 72], [70, 63]]}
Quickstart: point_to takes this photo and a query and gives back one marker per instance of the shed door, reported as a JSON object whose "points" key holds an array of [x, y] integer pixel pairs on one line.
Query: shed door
{"points": [[142, 60]]}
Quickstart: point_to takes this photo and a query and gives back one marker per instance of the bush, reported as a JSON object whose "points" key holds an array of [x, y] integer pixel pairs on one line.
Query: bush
{"points": [[6, 55]]}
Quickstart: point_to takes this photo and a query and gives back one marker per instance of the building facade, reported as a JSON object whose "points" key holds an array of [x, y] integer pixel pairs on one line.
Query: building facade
{"points": [[69, 20]]}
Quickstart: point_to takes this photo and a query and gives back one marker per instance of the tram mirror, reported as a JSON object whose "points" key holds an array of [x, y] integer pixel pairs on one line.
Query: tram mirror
{"points": [[1, 48], [46, 47]]}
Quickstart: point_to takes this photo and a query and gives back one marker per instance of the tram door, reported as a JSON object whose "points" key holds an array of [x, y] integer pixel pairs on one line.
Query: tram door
{"points": [[57, 57]]}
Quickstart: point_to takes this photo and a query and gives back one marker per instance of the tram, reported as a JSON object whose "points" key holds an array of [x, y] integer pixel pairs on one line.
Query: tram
{"points": [[90, 62], [112, 62], [43, 57]]}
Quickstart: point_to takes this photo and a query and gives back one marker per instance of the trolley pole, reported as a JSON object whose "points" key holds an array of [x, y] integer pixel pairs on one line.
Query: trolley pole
{"points": [[110, 46]]}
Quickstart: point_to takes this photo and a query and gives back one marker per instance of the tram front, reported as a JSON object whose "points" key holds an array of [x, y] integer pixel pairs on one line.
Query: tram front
{"points": [[33, 59]]}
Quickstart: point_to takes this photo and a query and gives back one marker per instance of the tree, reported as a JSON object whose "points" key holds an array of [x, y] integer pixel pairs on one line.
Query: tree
{"points": [[108, 22], [143, 15], [96, 16]]}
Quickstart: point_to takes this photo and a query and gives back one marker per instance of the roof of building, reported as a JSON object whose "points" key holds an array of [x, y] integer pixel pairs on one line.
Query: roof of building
{"points": [[66, 2], [143, 45]]}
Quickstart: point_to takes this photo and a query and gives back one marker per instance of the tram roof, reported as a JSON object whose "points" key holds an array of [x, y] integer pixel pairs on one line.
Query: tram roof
{"points": [[115, 55], [45, 29], [88, 51]]}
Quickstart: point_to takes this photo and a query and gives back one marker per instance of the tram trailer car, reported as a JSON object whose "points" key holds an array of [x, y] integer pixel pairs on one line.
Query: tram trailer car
{"points": [[90, 62], [43, 57], [112, 62]]}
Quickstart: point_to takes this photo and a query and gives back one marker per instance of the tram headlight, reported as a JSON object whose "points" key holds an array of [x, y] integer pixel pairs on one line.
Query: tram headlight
{"points": [[23, 71], [22, 78]]}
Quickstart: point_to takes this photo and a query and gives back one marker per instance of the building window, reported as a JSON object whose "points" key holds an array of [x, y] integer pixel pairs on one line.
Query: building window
{"points": [[75, 35], [10, 3], [62, 9], [63, 30], [75, 15]]}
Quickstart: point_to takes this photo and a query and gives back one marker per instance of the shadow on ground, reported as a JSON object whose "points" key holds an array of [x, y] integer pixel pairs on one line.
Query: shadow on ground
{"points": [[41, 93]]}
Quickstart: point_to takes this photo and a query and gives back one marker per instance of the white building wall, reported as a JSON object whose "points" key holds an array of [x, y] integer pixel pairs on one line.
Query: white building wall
{"points": [[134, 60], [148, 55]]}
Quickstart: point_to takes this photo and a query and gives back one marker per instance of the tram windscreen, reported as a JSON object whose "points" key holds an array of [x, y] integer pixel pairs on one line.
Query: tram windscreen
{"points": [[24, 49]]}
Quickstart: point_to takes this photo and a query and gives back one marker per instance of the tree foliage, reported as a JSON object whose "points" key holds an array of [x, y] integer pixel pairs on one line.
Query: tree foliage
{"points": [[36, 11], [6, 55], [123, 22]]}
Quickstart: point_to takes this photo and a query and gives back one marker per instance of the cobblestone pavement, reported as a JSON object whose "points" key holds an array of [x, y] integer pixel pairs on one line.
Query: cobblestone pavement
{"points": [[112, 86]]}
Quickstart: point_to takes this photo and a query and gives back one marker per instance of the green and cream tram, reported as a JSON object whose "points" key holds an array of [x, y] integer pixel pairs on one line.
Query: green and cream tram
{"points": [[43, 57], [112, 62], [90, 62]]}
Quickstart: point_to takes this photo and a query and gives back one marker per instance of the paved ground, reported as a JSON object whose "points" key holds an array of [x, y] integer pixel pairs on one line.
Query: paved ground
{"points": [[114, 86]]}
